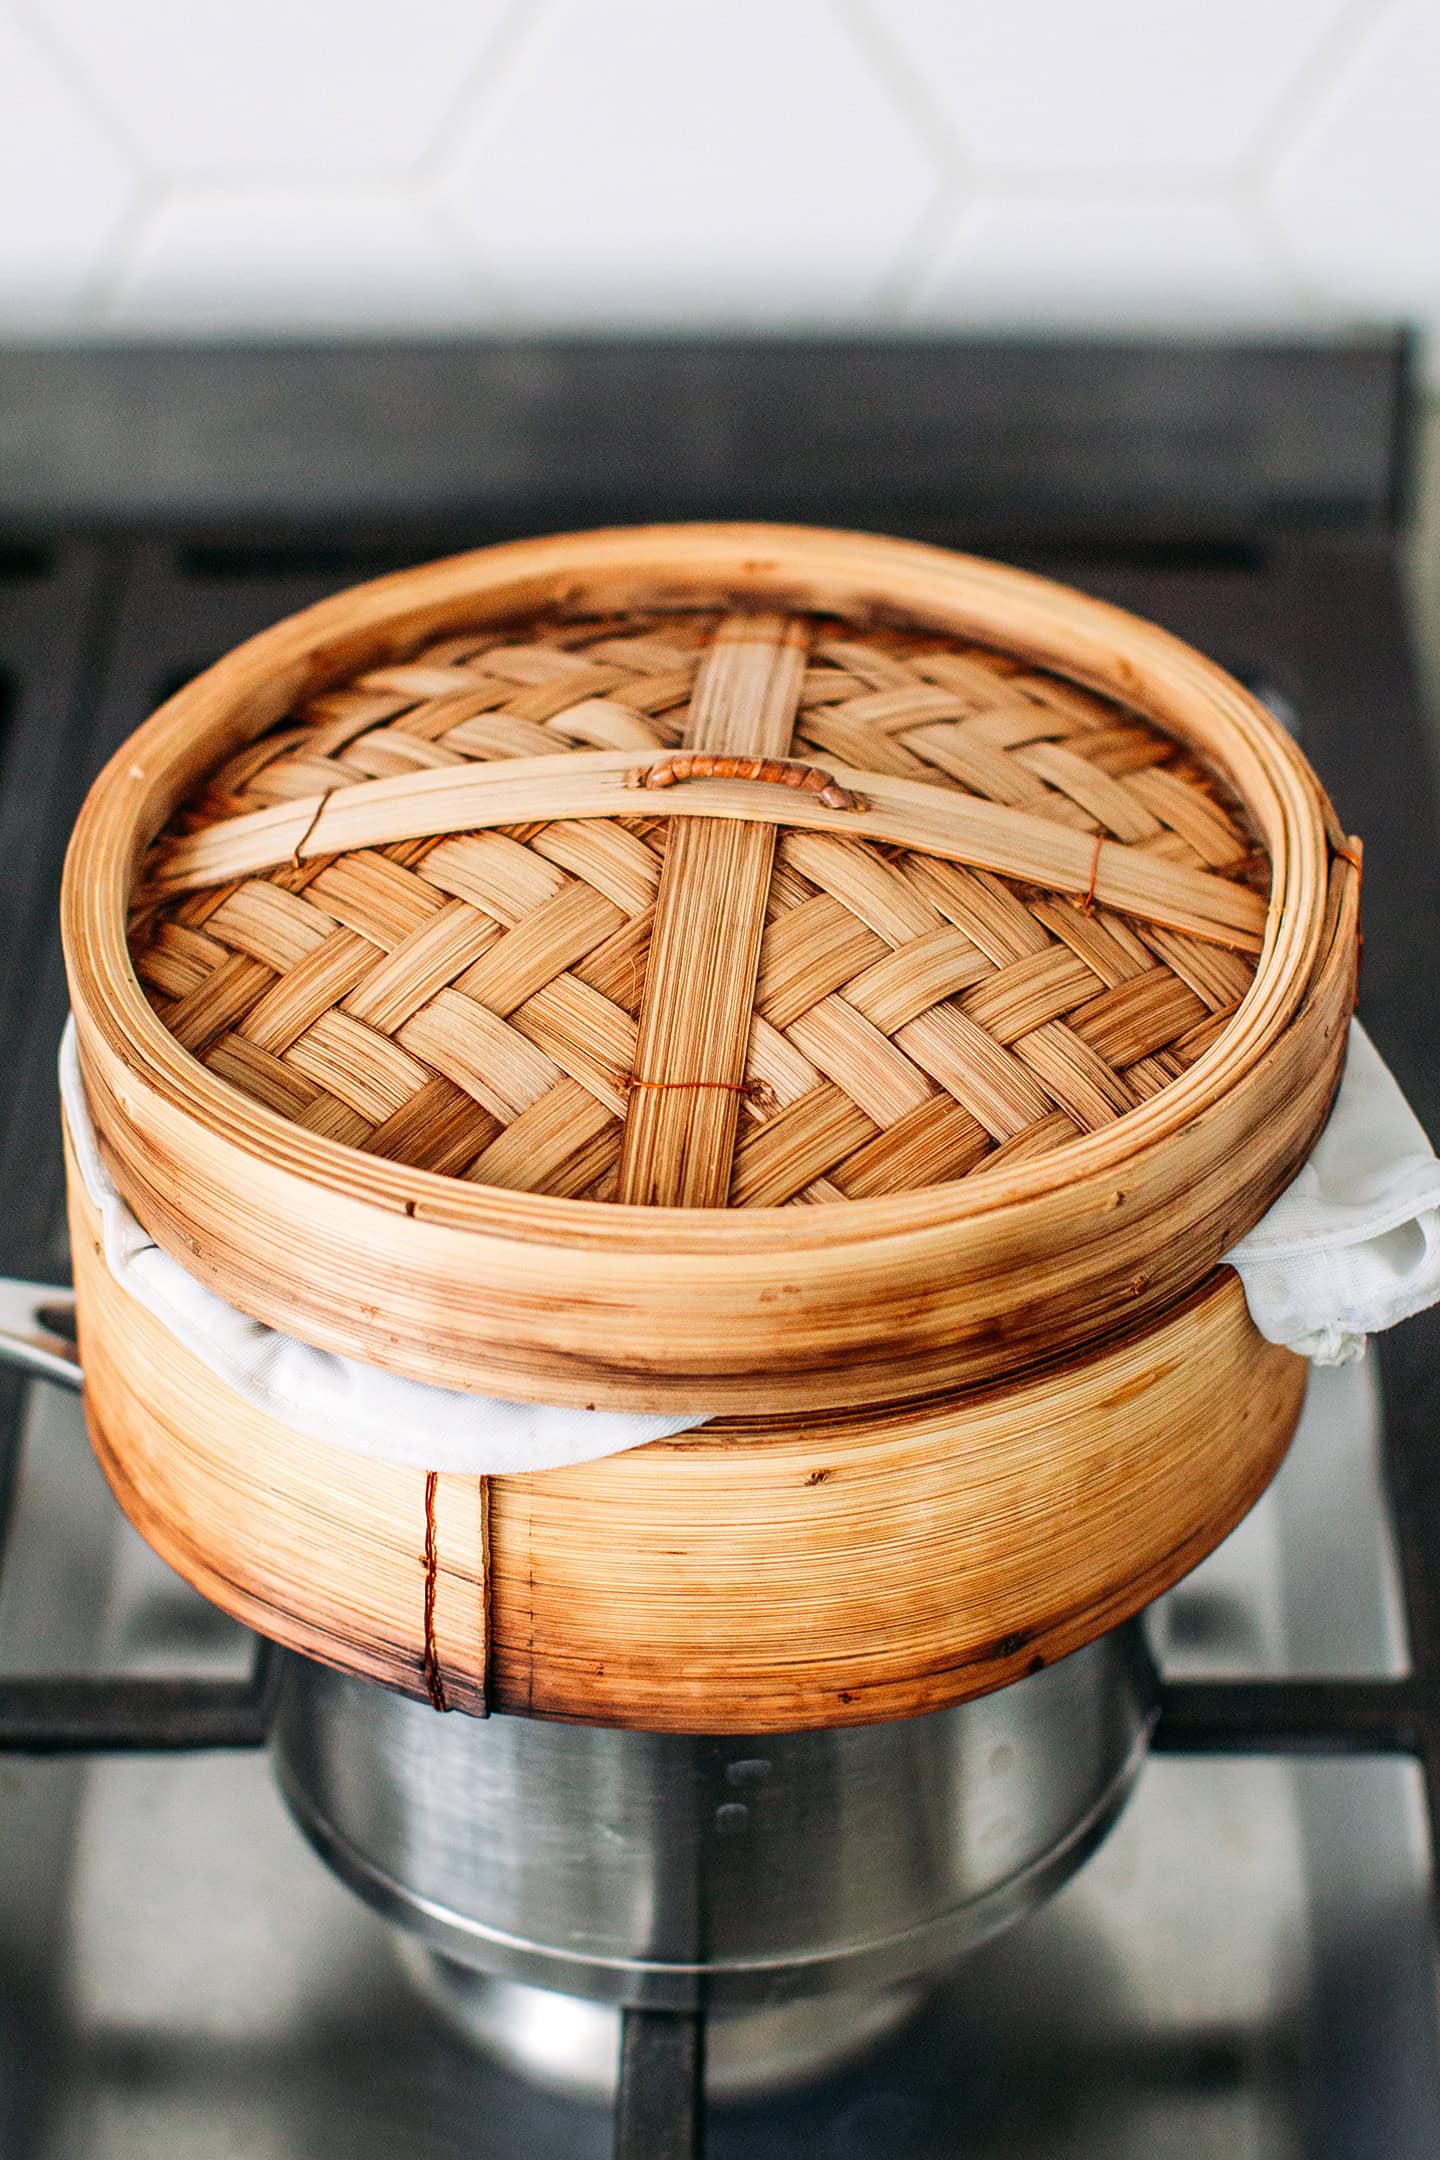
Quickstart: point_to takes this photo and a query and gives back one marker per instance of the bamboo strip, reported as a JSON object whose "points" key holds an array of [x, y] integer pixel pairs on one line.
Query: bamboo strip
{"points": [[591, 784], [873, 1567], [684, 1109], [332, 1554]]}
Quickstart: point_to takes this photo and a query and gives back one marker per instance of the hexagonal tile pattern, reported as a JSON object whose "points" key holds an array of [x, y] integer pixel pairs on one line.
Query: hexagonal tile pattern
{"points": [[64, 187], [1356, 197], [716, 162], [282, 260], [278, 87], [1107, 86], [1071, 263], [722, 160]]}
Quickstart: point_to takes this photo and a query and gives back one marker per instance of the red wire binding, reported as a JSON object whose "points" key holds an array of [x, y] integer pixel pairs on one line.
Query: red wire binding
{"points": [[1087, 898]]}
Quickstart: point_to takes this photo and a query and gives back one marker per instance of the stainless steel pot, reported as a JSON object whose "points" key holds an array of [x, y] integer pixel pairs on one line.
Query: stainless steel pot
{"points": [[666, 1871], [798, 1887], [662, 1870]]}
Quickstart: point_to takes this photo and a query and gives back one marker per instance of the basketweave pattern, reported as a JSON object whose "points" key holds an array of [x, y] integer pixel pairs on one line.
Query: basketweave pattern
{"points": [[468, 1005]]}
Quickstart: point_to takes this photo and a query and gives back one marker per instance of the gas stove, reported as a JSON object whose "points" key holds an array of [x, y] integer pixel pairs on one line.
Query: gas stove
{"points": [[1246, 1965]]}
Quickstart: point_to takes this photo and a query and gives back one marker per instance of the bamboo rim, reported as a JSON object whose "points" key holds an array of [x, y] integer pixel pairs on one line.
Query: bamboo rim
{"points": [[855, 576]]}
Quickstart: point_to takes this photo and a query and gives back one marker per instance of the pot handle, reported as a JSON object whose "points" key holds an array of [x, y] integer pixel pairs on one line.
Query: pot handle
{"points": [[37, 1331]]}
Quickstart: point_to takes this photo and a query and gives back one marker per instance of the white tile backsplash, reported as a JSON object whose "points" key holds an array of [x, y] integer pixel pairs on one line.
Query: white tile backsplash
{"points": [[719, 159], [272, 89], [1092, 260], [267, 259], [1074, 89], [303, 165], [66, 189], [1354, 195]]}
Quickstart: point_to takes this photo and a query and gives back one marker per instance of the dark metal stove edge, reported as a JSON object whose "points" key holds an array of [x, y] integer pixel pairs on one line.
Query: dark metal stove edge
{"points": [[1133, 438]]}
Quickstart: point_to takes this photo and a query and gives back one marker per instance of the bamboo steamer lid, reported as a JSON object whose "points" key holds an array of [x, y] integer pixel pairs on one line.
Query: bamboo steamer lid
{"points": [[840, 985]]}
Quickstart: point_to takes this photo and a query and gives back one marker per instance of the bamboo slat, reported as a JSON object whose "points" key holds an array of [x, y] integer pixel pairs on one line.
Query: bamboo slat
{"points": [[679, 1139], [989, 836], [366, 1565]]}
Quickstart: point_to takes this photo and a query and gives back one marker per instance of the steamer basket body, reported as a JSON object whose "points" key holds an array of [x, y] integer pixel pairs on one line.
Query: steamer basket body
{"points": [[845, 989], [760, 1578], [320, 1214]]}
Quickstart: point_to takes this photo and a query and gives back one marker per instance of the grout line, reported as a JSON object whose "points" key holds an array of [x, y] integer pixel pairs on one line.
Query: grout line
{"points": [[922, 309], [495, 57], [900, 293], [476, 305], [518, 29], [479, 283], [1108, 184], [507, 317], [111, 122], [89, 307], [470, 114], [1296, 106], [290, 181], [895, 293], [1324, 298], [1309, 295], [111, 277], [904, 85]]}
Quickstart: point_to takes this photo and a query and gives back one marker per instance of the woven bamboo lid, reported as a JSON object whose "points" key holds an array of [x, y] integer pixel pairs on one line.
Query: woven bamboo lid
{"points": [[903, 920], [471, 1004]]}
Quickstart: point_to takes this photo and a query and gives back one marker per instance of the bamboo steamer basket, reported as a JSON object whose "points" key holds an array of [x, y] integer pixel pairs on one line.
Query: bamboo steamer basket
{"points": [[852, 989]]}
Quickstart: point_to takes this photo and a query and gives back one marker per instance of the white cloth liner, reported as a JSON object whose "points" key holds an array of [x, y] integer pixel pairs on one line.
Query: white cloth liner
{"points": [[335, 1399], [1353, 1243], [1351, 1246]]}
